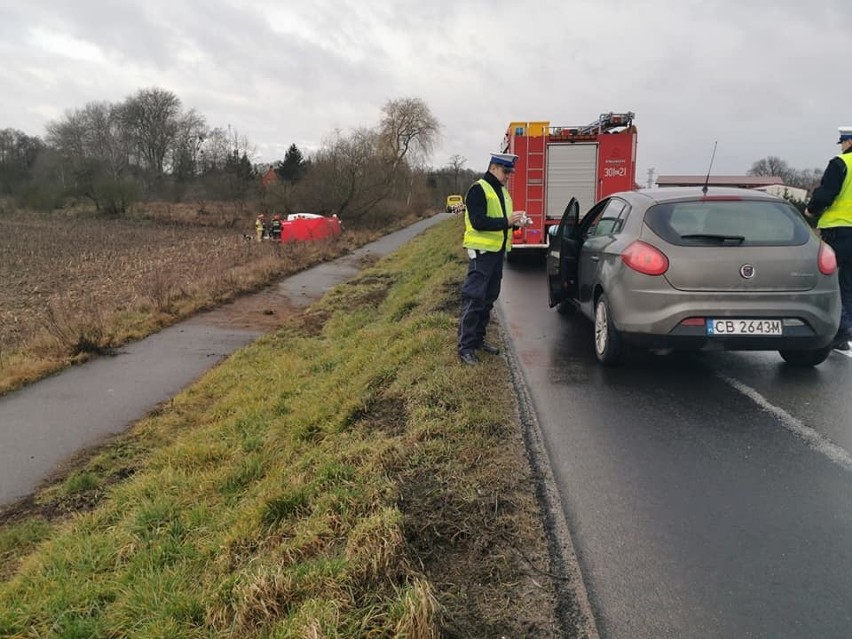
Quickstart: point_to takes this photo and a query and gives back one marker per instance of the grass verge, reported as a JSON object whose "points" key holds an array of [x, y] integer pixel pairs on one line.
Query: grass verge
{"points": [[343, 477]]}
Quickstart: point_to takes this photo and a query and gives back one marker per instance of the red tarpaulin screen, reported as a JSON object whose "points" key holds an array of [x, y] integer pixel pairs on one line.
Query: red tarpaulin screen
{"points": [[298, 228]]}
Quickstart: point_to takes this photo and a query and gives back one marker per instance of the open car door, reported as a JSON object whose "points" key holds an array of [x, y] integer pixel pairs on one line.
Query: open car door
{"points": [[563, 254]]}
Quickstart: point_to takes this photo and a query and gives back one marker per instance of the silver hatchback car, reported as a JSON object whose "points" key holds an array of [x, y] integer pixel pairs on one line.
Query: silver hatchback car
{"points": [[681, 268]]}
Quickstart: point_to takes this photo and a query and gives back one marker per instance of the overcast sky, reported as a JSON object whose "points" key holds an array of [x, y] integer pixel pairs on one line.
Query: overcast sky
{"points": [[760, 77]]}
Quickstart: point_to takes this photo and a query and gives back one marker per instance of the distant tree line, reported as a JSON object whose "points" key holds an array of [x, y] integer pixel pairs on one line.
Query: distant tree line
{"points": [[807, 179], [454, 178], [149, 147]]}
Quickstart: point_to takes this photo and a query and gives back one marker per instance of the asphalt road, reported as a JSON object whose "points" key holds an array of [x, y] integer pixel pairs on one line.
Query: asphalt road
{"points": [[46, 423], [708, 495]]}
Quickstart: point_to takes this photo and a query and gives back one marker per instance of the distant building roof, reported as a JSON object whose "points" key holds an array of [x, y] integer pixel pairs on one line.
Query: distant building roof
{"points": [[269, 177], [744, 181]]}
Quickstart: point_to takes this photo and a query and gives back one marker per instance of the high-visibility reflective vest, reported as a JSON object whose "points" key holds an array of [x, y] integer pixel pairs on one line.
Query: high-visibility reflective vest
{"points": [[839, 213], [489, 240]]}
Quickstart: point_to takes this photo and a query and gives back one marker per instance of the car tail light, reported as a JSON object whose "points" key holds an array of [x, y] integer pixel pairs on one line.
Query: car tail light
{"points": [[693, 321], [645, 258], [826, 260]]}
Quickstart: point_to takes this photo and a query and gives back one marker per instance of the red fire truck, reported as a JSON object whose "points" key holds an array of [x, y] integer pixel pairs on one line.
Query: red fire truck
{"points": [[556, 163]]}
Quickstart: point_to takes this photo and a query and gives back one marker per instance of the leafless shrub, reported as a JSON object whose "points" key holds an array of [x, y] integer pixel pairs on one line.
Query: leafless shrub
{"points": [[159, 287], [77, 332]]}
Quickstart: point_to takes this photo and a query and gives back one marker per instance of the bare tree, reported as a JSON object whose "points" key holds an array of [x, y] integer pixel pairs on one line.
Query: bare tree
{"points": [[214, 151], [105, 138], [95, 155], [18, 155], [774, 167], [808, 179], [348, 175], [220, 145], [152, 121], [184, 159], [407, 135], [68, 136], [450, 178], [408, 131], [148, 138], [456, 166]]}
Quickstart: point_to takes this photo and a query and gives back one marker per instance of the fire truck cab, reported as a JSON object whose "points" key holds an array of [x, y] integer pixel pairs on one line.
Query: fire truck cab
{"points": [[557, 163]]}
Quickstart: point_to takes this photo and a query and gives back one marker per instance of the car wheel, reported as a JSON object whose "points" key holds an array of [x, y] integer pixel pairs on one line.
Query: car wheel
{"points": [[608, 344], [806, 358]]}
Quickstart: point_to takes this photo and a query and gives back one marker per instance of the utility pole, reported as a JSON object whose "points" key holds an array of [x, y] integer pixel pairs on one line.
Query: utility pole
{"points": [[651, 172]]}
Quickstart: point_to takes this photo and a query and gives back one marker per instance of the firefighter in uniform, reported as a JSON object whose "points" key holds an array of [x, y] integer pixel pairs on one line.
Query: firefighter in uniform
{"points": [[831, 203], [260, 227], [488, 222], [276, 228]]}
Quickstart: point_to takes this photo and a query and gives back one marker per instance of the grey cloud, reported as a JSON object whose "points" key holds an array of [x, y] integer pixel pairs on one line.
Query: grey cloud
{"points": [[761, 77]]}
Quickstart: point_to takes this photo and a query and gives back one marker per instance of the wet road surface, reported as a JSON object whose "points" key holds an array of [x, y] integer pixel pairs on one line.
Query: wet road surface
{"points": [[708, 495], [48, 421]]}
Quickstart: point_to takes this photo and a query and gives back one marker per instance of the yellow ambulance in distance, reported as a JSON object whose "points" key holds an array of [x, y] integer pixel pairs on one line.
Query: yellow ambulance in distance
{"points": [[455, 204]]}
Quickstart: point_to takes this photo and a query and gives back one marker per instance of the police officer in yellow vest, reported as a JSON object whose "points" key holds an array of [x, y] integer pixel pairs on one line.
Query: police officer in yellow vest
{"points": [[488, 223], [831, 203]]}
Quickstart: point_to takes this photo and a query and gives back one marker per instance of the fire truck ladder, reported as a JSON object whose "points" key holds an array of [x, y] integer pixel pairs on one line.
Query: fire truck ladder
{"points": [[534, 178], [533, 173], [606, 122]]}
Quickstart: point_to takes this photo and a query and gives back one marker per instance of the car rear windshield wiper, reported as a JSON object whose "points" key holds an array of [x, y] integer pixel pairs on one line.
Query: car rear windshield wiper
{"points": [[737, 239]]}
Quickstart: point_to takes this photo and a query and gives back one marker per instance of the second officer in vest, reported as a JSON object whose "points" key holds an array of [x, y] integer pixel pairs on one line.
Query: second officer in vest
{"points": [[832, 204], [488, 223]]}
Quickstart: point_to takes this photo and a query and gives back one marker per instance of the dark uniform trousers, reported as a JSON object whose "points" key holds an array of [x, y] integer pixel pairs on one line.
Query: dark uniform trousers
{"points": [[480, 290], [840, 239]]}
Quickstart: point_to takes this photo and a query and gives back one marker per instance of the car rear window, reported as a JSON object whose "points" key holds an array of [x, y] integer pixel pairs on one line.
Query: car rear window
{"points": [[728, 223]]}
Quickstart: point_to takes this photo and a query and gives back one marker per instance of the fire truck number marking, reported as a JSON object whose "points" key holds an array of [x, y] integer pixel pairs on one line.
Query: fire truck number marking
{"points": [[613, 172]]}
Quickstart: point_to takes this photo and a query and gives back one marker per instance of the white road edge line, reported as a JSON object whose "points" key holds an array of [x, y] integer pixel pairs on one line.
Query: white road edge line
{"points": [[815, 440]]}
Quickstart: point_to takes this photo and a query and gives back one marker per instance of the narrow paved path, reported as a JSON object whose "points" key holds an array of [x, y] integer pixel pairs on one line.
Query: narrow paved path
{"points": [[47, 422]]}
